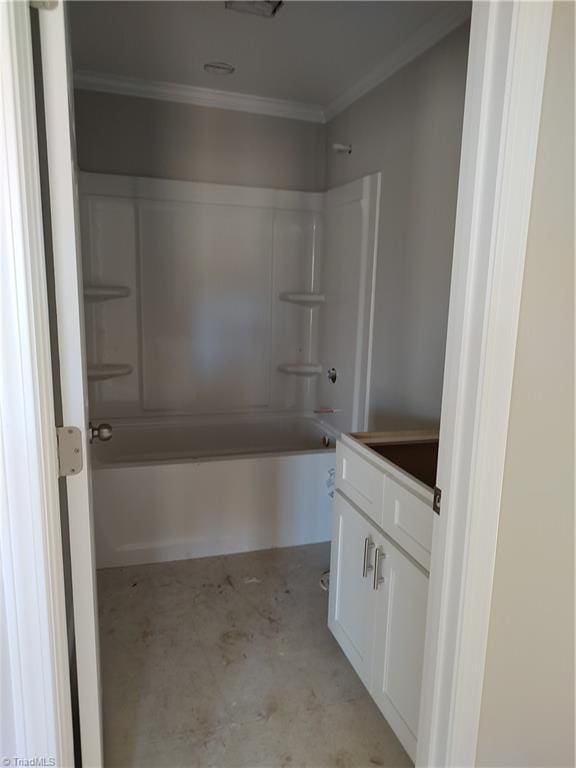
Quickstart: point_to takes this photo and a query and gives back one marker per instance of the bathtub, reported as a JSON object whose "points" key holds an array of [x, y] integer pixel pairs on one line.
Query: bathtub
{"points": [[168, 491]]}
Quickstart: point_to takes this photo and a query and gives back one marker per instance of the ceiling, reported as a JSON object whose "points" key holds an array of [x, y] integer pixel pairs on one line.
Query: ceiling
{"points": [[310, 52]]}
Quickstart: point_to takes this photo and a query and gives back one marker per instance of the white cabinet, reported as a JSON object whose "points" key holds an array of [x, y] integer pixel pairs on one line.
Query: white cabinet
{"points": [[382, 526], [361, 481], [408, 518], [351, 612], [397, 502], [399, 629]]}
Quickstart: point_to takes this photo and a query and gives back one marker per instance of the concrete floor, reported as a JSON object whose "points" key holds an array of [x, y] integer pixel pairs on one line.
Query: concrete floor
{"points": [[227, 661]]}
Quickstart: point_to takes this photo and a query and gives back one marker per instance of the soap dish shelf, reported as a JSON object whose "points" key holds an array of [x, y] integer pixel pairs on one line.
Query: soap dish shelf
{"points": [[103, 371], [303, 298], [301, 369], [93, 293]]}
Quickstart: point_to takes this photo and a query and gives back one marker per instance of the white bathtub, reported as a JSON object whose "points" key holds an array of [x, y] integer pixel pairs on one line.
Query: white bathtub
{"points": [[213, 487]]}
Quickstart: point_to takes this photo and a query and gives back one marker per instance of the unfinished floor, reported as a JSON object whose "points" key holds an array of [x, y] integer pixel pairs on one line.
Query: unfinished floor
{"points": [[227, 661]]}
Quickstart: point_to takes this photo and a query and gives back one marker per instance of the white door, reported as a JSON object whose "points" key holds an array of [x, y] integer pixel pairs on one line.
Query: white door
{"points": [[57, 81], [350, 616], [399, 631]]}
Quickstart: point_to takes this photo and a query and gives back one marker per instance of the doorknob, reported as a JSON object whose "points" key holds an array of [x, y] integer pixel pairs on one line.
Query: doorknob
{"points": [[102, 432]]}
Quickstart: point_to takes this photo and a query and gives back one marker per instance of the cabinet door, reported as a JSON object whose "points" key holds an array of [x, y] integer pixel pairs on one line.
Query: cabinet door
{"points": [[400, 624], [351, 615]]}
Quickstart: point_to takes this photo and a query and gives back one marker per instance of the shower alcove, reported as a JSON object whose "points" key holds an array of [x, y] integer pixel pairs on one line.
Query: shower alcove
{"points": [[213, 316]]}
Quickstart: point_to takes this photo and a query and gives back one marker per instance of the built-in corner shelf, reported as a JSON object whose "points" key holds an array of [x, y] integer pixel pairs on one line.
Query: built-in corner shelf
{"points": [[105, 292], [301, 297], [301, 369], [102, 371]]}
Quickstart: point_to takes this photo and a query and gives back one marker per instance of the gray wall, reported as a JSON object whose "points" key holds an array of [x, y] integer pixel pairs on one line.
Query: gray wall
{"points": [[410, 129], [527, 714], [146, 137]]}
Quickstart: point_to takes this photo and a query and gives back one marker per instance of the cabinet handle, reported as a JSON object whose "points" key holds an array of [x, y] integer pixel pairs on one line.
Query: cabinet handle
{"points": [[366, 565], [378, 578]]}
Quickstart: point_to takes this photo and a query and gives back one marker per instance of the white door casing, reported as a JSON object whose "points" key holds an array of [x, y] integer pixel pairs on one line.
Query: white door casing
{"points": [[506, 68], [35, 701], [57, 82]]}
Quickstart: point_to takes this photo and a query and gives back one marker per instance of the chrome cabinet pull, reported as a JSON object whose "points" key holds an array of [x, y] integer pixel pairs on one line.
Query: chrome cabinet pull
{"points": [[378, 578], [366, 565]]}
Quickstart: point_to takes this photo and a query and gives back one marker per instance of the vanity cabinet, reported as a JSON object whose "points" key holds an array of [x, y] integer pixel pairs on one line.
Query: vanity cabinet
{"points": [[399, 502], [378, 587]]}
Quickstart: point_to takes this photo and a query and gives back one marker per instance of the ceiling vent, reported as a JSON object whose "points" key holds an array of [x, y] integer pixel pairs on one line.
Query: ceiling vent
{"points": [[265, 8]]}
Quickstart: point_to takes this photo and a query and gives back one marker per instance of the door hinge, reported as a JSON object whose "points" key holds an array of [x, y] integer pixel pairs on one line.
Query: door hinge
{"points": [[44, 5], [436, 500], [69, 451]]}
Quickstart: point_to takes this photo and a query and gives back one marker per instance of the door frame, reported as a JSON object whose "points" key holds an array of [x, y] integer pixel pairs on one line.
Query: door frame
{"points": [[506, 68], [36, 712], [68, 290], [503, 103]]}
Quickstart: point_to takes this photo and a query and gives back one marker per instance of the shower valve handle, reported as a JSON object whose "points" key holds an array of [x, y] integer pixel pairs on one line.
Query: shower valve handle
{"points": [[102, 432]]}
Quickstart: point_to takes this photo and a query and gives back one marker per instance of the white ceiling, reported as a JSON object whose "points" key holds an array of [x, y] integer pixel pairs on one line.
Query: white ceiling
{"points": [[310, 52]]}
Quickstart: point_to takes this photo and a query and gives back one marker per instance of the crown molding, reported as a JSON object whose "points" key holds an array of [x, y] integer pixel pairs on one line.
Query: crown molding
{"points": [[201, 97], [423, 38]]}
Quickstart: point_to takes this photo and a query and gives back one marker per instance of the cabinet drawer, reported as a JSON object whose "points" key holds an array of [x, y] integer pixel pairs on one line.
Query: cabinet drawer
{"points": [[361, 482], [408, 518]]}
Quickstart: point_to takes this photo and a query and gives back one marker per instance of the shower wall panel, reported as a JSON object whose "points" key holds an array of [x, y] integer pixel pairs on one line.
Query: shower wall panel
{"points": [[205, 280], [351, 215], [203, 327]]}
